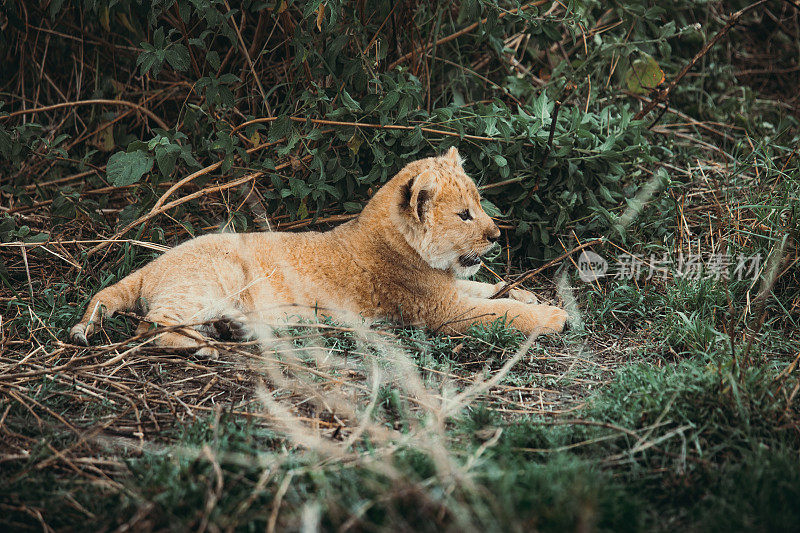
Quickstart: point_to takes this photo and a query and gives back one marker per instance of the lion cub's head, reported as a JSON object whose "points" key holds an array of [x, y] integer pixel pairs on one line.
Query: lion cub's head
{"points": [[441, 215]]}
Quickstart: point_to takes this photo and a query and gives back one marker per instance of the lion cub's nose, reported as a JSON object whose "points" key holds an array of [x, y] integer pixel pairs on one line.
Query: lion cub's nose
{"points": [[493, 234]]}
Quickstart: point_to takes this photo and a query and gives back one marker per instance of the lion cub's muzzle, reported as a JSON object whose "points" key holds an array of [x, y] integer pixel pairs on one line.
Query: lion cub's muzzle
{"points": [[471, 259]]}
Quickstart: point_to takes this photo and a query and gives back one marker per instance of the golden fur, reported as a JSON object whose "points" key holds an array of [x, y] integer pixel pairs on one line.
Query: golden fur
{"points": [[400, 259]]}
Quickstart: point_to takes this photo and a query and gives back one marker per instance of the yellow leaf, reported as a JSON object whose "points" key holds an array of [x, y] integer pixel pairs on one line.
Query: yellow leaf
{"points": [[320, 16], [644, 75], [104, 22], [118, 86], [355, 142], [125, 22], [104, 139]]}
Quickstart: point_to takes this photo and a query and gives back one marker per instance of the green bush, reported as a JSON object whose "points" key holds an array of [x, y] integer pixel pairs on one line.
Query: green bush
{"points": [[327, 75]]}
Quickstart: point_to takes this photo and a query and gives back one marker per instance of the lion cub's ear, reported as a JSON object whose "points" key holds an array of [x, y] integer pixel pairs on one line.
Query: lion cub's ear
{"points": [[420, 194], [453, 156]]}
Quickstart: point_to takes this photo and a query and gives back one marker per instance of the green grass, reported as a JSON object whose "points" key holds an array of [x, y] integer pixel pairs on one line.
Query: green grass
{"points": [[730, 466]]}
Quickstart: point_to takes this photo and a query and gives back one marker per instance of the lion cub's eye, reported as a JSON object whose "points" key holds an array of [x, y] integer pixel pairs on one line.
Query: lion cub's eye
{"points": [[465, 215]]}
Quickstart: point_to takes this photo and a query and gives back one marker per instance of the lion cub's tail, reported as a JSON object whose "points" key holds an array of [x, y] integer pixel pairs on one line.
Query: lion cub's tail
{"points": [[121, 296]]}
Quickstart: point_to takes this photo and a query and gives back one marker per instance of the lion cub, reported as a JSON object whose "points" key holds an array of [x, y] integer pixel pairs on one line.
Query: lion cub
{"points": [[400, 259]]}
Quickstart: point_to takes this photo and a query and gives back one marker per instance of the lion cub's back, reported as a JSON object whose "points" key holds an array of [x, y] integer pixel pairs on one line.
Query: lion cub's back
{"points": [[237, 266], [254, 272], [212, 265]]}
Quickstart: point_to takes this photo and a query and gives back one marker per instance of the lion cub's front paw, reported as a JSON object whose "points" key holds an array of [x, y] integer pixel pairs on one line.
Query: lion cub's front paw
{"points": [[547, 318], [521, 295]]}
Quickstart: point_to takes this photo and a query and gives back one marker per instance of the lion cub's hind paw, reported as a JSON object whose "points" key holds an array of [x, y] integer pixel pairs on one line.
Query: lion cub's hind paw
{"points": [[79, 334], [230, 329], [207, 352]]}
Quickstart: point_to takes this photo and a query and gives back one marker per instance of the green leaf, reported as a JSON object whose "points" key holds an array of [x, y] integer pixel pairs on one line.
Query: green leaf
{"points": [[606, 194], [390, 101], [213, 59], [551, 30], [165, 159], [55, 7], [178, 56], [349, 103], [541, 108], [189, 159], [158, 39], [147, 61], [491, 209], [280, 128], [38, 237], [644, 75], [125, 168], [5, 144]]}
